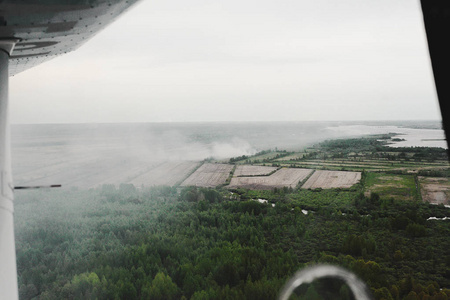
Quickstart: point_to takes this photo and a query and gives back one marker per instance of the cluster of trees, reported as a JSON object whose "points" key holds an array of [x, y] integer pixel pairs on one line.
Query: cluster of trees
{"points": [[435, 173], [375, 146], [238, 158], [346, 146], [421, 153], [356, 149], [195, 243], [280, 153]]}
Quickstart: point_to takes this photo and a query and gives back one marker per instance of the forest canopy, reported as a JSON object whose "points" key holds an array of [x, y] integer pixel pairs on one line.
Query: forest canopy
{"points": [[197, 243]]}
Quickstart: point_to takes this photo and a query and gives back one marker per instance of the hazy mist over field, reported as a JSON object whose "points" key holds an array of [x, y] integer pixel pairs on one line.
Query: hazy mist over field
{"points": [[91, 154]]}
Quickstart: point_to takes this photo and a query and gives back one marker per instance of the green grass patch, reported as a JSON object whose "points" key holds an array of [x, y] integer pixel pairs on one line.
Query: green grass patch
{"points": [[401, 187], [318, 198]]}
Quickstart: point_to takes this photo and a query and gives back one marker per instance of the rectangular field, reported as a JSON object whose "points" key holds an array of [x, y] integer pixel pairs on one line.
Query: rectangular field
{"points": [[209, 175], [247, 170], [401, 187], [435, 190], [332, 179], [282, 178]]}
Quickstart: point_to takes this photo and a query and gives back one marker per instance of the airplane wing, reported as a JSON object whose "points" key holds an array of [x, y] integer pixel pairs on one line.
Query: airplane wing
{"points": [[32, 32], [48, 28]]}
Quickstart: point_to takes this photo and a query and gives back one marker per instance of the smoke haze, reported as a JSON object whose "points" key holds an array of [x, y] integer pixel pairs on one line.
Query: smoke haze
{"points": [[86, 155]]}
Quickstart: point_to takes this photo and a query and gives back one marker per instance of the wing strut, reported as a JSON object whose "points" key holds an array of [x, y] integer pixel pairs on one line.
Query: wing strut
{"points": [[8, 269]]}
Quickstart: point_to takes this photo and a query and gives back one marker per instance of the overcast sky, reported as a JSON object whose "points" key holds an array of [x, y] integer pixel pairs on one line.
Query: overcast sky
{"points": [[240, 60]]}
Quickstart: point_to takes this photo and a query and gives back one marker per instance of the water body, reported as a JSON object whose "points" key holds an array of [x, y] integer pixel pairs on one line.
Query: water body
{"points": [[63, 150], [413, 137]]}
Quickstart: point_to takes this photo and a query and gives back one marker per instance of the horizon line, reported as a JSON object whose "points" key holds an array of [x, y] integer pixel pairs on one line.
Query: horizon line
{"points": [[219, 122]]}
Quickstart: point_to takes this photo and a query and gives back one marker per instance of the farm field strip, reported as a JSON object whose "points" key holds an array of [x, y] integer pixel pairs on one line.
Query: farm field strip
{"points": [[46, 164], [336, 167], [49, 163], [338, 164], [88, 176], [378, 162], [114, 176], [80, 177], [291, 157], [285, 177], [55, 171], [249, 170], [84, 171], [332, 179], [341, 162], [386, 166], [209, 175], [169, 173], [382, 168]]}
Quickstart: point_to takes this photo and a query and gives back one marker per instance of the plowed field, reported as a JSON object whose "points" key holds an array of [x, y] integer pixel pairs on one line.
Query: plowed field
{"points": [[281, 178], [332, 179], [246, 170], [209, 175]]}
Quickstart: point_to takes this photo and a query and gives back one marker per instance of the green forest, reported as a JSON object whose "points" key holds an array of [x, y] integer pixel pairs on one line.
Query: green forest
{"points": [[196, 243]]}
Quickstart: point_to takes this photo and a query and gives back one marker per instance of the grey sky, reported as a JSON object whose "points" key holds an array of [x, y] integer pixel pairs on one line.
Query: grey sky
{"points": [[240, 61]]}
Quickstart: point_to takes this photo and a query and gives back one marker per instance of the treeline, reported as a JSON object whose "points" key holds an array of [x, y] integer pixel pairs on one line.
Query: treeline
{"points": [[280, 153], [420, 153], [369, 144], [195, 243], [435, 173], [375, 146]]}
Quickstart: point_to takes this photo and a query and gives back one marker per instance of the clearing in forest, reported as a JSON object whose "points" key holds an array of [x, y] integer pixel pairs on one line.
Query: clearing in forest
{"points": [[401, 187], [285, 177], [209, 175], [332, 179], [247, 170], [435, 190]]}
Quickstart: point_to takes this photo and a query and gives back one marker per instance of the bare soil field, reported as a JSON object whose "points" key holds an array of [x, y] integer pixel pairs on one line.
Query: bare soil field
{"points": [[435, 190], [247, 170], [168, 173], [332, 179], [209, 175], [282, 178]]}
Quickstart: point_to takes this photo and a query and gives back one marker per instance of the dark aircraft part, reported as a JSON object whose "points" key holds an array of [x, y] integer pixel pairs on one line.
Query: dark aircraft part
{"points": [[36, 187], [436, 16]]}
